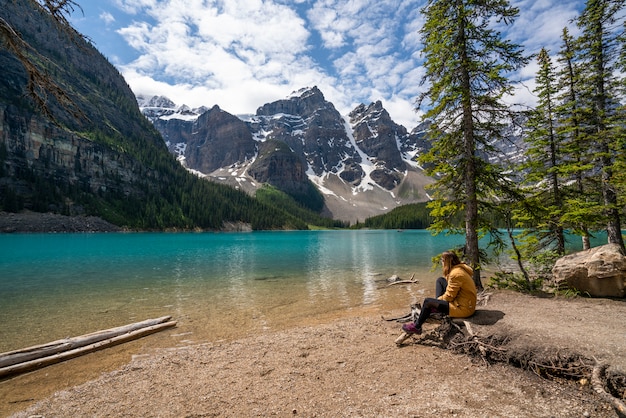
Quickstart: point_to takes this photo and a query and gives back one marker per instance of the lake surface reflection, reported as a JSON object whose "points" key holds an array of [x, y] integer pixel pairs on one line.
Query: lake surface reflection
{"points": [[216, 285]]}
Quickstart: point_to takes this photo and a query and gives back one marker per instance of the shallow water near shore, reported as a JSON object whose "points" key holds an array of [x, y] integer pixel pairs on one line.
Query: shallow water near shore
{"points": [[215, 285]]}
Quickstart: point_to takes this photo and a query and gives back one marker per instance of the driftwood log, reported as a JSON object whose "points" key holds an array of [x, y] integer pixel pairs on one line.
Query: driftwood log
{"points": [[410, 281], [35, 357]]}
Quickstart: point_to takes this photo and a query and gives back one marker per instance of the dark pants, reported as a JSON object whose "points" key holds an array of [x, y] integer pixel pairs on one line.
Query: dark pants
{"points": [[432, 305], [440, 286]]}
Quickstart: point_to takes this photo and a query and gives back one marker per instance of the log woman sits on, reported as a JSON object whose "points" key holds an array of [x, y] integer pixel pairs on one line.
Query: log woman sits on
{"points": [[455, 293]]}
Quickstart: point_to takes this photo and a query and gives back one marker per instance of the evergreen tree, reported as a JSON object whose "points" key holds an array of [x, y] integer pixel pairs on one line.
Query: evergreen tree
{"points": [[583, 206], [620, 166], [598, 54], [467, 63], [543, 161]]}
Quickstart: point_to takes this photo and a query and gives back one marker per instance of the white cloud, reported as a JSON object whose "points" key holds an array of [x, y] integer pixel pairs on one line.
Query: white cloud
{"points": [[541, 23], [240, 54], [402, 111], [218, 46], [107, 18], [135, 6], [237, 49], [373, 55]]}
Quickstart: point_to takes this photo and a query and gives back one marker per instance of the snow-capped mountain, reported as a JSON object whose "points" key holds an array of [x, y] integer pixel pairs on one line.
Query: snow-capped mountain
{"points": [[160, 107], [363, 164]]}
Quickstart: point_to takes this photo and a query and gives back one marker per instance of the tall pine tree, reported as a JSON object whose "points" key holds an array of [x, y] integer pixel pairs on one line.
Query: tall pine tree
{"points": [[599, 51], [543, 162], [467, 63], [620, 166], [583, 204]]}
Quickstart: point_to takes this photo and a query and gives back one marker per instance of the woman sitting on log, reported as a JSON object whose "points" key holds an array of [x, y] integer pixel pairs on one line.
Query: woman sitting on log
{"points": [[455, 293]]}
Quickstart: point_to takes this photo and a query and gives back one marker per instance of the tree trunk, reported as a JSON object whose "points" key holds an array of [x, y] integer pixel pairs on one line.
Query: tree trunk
{"points": [[586, 242], [469, 149], [609, 194]]}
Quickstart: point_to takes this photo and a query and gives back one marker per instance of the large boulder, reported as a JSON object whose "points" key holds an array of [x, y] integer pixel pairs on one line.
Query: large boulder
{"points": [[599, 271]]}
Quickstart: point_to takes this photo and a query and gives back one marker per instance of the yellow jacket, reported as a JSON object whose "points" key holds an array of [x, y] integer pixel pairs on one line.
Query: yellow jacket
{"points": [[460, 292]]}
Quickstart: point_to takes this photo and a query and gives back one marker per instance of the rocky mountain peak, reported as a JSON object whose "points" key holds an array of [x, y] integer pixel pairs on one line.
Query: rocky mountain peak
{"points": [[303, 102], [379, 137], [361, 111], [218, 139], [301, 141], [155, 102]]}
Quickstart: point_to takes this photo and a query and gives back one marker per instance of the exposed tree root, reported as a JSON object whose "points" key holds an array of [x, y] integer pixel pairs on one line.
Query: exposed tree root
{"points": [[559, 364], [460, 337], [598, 379]]}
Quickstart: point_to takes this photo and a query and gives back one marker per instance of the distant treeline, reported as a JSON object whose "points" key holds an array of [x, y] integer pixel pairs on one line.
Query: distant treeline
{"points": [[418, 216], [412, 216], [273, 197]]}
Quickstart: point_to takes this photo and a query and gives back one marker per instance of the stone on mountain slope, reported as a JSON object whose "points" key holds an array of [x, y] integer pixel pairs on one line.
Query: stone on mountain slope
{"points": [[219, 139], [277, 165]]}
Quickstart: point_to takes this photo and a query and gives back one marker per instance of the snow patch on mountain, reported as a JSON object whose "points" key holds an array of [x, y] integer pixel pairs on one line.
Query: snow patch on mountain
{"points": [[366, 164], [161, 107]]}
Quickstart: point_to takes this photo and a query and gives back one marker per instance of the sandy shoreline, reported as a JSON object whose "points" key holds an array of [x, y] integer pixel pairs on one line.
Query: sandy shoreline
{"points": [[351, 367]]}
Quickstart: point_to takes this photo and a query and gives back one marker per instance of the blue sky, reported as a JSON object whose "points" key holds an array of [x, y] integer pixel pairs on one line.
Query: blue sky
{"points": [[240, 54]]}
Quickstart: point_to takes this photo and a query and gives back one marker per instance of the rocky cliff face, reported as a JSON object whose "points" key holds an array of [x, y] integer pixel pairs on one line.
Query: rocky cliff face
{"points": [[109, 161], [314, 132], [364, 166], [377, 135], [278, 165], [53, 163], [219, 139], [38, 149], [311, 127]]}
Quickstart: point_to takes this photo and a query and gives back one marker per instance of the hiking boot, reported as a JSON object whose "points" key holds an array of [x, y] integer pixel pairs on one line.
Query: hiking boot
{"points": [[410, 328]]}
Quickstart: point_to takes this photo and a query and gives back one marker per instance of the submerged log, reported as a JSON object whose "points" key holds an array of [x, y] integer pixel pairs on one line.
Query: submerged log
{"points": [[35, 357]]}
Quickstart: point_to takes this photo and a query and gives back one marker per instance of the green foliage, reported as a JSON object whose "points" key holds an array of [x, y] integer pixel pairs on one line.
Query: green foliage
{"points": [[411, 216], [572, 174], [311, 198], [273, 197], [534, 260], [598, 53], [543, 180], [514, 281], [10, 201], [538, 258], [571, 293], [465, 96]]}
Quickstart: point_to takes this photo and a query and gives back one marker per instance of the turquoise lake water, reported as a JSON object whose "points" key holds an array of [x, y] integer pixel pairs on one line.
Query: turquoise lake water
{"points": [[216, 285]]}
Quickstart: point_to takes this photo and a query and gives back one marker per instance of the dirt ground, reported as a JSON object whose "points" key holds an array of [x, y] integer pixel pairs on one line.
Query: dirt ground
{"points": [[351, 367]]}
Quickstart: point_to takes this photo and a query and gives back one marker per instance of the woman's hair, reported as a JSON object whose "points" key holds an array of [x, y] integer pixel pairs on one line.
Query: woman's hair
{"points": [[449, 259]]}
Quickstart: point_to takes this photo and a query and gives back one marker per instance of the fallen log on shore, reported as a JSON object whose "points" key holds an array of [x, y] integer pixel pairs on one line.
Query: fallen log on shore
{"points": [[35, 357]]}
